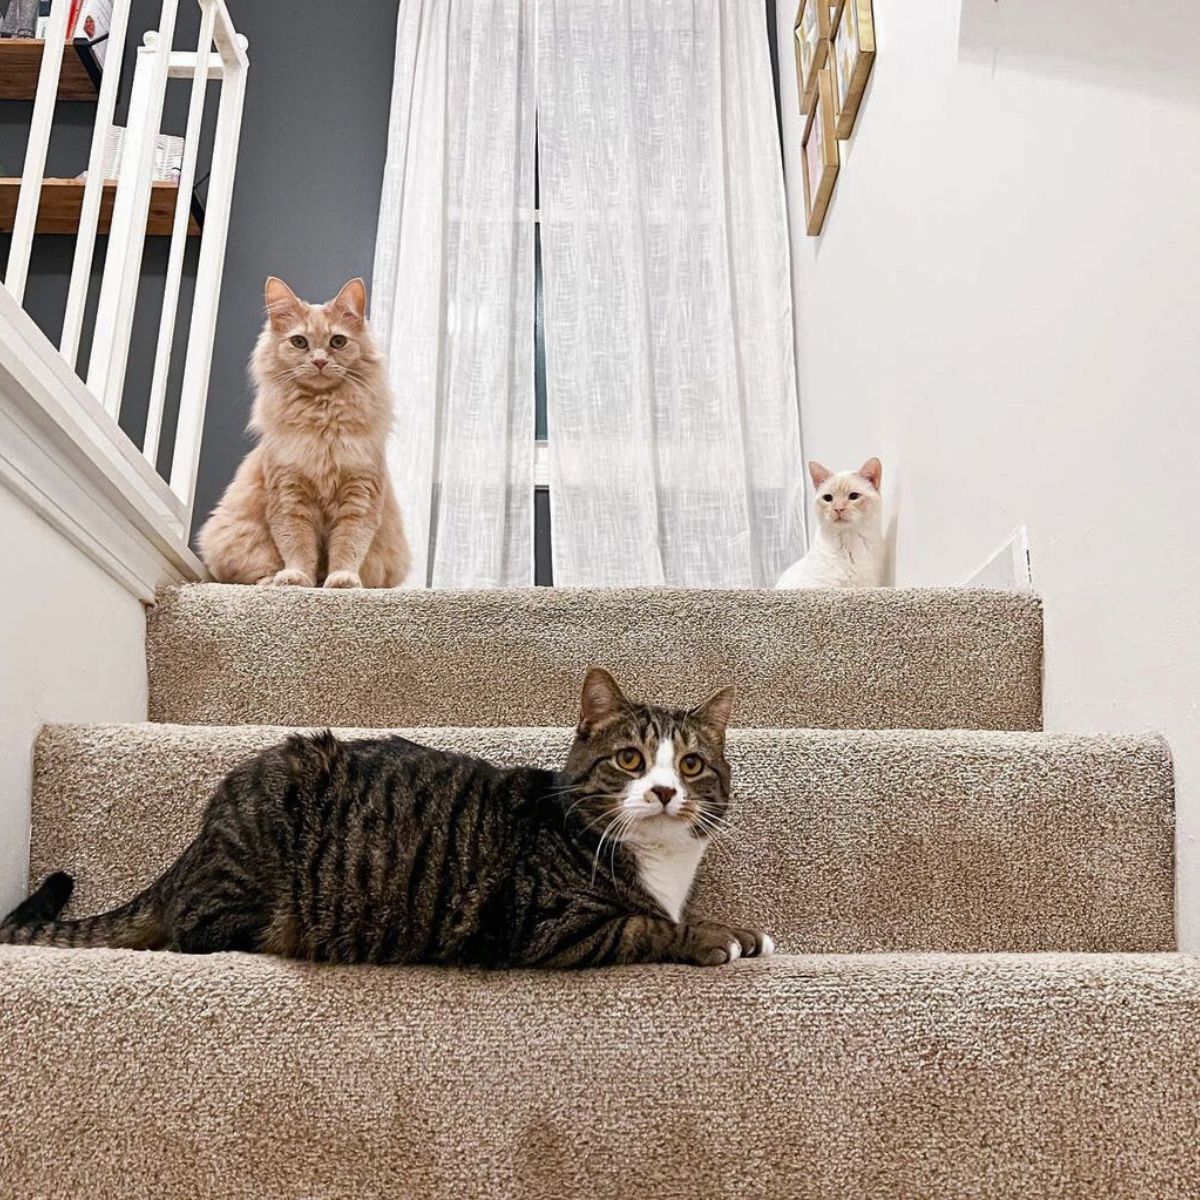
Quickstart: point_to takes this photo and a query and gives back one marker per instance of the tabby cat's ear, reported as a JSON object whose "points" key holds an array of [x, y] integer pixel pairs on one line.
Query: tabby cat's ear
{"points": [[602, 697], [818, 474], [715, 712], [283, 305], [351, 301]]}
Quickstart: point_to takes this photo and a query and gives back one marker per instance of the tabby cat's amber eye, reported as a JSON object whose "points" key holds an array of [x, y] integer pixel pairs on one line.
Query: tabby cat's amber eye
{"points": [[690, 765], [630, 759], [337, 341], [300, 342]]}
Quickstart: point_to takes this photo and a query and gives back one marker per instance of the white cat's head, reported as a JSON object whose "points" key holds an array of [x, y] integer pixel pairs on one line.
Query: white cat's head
{"points": [[846, 499]]}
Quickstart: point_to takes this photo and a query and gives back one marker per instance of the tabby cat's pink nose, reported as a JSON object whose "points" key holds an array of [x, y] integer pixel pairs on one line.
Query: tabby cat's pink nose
{"points": [[665, 794], [319, 363]]}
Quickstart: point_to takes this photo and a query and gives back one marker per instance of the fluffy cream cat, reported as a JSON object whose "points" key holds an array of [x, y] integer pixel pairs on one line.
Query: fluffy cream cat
{"points": [[312, 502], [847, 547]]}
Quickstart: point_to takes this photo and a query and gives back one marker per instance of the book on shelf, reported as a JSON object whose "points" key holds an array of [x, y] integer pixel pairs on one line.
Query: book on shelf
{"points": [[168, 156], [43, 19], [92, 19]]}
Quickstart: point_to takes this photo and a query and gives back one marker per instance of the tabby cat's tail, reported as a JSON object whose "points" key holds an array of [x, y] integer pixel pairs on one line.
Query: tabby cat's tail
{"points": [[35, 921]]}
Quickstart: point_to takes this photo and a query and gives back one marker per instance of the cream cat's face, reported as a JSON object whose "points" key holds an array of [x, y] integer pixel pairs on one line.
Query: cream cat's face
{"points": [[316, 347], [846, 498]]}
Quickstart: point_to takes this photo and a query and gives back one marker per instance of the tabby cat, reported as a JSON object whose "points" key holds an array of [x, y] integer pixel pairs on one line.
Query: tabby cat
{"points": [[385, 851]]}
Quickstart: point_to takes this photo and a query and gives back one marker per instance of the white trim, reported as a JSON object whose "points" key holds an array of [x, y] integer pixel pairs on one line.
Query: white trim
{"points": [[541, 463], [1010, 567], [62, 454]]}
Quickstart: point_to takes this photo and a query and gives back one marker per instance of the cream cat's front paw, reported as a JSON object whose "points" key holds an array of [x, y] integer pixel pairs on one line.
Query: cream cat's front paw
{"points": [[290, 577], [343, 579]]}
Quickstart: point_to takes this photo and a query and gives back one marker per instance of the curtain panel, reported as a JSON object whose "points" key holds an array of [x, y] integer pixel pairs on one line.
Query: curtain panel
{"points": [[674, 442], [453, 288]]}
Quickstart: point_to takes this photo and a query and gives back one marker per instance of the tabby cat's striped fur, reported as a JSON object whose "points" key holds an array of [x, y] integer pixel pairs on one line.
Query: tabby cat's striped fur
{"points": [[385, 851]]}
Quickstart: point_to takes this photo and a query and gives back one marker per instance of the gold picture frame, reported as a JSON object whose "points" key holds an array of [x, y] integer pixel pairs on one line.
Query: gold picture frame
{"points": [[811, 32], [820, 156], [852, 57]]}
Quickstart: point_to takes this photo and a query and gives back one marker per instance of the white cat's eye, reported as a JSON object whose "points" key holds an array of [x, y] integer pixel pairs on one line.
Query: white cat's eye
{"points": [[690, 765], [854, 495], [337, 341], [827, 497], [630, 759], [300, 342]]}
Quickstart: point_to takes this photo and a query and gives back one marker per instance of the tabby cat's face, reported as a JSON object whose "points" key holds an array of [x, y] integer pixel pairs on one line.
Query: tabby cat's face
{"points": [[644, 773]]}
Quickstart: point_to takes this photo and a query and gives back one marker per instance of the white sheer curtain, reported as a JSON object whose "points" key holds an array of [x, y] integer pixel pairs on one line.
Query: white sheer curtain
{"points": [[673, 424], [453, 288]]}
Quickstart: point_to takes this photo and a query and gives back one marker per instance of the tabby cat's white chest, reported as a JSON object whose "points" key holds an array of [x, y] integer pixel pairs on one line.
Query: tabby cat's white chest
{"points": [[667, 870]]}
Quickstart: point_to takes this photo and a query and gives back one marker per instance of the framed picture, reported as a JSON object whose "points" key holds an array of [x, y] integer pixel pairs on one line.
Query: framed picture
{"points": [[853, 56], [820, 156], [812, 30]]}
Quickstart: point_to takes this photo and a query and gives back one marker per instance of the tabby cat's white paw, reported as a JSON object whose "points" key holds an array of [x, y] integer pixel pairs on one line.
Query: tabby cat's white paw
{"points": [[343, 579]]}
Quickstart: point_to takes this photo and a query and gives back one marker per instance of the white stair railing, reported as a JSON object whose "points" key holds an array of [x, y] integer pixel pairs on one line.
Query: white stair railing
{"points": [[220, 55]]}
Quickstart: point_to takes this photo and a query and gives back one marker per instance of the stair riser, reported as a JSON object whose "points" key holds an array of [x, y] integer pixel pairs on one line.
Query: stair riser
{"points": [[997, 1079], [878, 659], [843, 841]]}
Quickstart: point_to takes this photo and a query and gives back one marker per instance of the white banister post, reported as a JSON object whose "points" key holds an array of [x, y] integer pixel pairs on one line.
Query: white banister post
{"points": [[127, 236], [179, 235], [93, 190], [25, 219], [194, 391]]}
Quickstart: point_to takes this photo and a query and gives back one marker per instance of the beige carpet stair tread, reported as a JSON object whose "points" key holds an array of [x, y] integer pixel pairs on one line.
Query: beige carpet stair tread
{"points": [[140, 1075], [844, 840], [954, 658]]}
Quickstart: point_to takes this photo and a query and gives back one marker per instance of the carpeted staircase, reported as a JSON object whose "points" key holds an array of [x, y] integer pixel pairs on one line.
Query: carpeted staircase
{"points": [[974, 994]]}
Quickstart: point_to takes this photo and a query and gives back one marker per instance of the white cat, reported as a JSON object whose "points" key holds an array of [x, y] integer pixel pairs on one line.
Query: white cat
{"points": [[847, 545]]}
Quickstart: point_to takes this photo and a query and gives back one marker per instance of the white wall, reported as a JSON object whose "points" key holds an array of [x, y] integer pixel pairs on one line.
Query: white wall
{"points": [[1005, 306], [72, 648]]}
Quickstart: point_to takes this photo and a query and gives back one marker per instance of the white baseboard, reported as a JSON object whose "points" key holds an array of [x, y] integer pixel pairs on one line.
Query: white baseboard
{"points": [[66, 458], [1010, 568]]}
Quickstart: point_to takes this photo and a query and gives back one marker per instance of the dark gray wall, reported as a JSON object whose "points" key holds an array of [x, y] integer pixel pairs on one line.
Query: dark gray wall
{"points": [[309, 173], [305, 204]]}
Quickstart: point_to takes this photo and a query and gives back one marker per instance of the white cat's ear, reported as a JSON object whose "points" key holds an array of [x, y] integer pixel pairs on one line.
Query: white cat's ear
{"points": [[352, 300], [818, 474], [715, 712], [283, 305], [872, 472], [602, 697]]}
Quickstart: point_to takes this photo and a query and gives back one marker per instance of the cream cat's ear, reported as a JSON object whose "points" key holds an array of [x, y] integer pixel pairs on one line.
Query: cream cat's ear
{"points": [[283, 305], [818, 474], [715, 712], [602, 697], [872, 472], [352, 300]]}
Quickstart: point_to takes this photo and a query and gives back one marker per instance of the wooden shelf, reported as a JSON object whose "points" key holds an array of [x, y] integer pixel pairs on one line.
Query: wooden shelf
{"points": [[62, 200], [21, 60]]}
